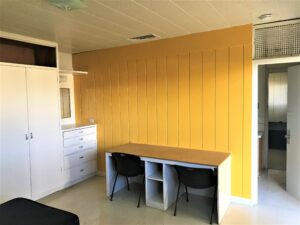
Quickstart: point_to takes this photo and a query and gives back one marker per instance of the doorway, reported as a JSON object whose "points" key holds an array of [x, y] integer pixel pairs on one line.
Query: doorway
{"points": [[273, 130]]}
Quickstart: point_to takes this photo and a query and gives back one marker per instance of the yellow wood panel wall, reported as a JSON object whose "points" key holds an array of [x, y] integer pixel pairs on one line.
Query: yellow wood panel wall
{"points": [[192, 91]]}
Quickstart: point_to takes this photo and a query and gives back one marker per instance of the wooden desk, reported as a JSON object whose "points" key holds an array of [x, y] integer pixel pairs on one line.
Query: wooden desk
{"points": [[161, 178]]}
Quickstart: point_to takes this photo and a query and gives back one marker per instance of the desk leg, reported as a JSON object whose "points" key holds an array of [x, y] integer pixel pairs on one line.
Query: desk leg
{"points": [[110, 176], [224, 188]]}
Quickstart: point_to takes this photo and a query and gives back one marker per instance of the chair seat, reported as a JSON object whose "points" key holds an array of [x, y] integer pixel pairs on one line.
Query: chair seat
{"points": [[21, 211]]}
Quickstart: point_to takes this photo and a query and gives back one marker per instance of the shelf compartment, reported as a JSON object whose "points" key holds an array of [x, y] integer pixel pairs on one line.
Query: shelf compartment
{"points": [[155, 194], [154, 171]]}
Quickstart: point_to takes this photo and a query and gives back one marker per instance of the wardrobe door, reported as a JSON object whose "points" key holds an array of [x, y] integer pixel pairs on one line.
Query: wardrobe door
{"points": [[45, 148], [14, 144]]}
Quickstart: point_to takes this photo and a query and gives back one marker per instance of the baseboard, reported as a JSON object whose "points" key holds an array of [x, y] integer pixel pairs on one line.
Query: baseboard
{"points": [[243, 201]]}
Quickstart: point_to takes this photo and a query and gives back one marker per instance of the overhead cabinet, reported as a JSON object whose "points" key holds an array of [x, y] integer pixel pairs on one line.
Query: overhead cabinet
{"points": [[30, 149]]}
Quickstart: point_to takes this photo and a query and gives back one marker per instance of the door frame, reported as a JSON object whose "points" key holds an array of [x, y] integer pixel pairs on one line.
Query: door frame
{"points": [[254, 163]]}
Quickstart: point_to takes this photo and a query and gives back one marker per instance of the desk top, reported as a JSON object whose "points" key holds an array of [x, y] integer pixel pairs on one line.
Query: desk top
{"points": [[209, 158]]}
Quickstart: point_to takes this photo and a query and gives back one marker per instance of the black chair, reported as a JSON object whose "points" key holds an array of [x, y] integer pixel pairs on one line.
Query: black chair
{"points": [[128, 166], [198, 178]]}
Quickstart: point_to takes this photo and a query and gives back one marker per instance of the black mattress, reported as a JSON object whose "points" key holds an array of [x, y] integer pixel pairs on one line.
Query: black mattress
{"points": [[21, 211]]}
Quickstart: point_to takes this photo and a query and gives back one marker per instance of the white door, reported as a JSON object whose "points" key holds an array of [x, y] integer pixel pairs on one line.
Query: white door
{"points": [[44, 129], [293, 132], [14, 146]]}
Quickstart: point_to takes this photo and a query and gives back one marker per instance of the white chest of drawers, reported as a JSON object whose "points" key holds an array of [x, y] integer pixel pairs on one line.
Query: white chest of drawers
{"points": [[80, 153]]}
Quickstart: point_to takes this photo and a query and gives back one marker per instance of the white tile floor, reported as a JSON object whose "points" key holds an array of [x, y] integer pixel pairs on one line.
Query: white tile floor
{"points": [[88, 200]]}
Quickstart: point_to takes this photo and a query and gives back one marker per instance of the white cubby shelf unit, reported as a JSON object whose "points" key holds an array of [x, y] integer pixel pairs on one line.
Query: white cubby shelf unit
{"points": [[161, 179]]}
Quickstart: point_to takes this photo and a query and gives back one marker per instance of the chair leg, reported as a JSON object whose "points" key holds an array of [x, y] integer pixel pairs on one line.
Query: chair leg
{"points": [[213, 205], [112, 193], [127, 183], [143, 186], [175, 210], [187, 194]]}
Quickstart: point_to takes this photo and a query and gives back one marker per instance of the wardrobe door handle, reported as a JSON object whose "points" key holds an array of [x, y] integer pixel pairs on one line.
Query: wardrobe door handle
{"points": [[26, 137], [31, 136]]}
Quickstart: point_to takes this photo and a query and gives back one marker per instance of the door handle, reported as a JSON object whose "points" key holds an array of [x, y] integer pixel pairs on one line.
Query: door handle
{"points": [[288, 136], [31, 136], [26, 137]]}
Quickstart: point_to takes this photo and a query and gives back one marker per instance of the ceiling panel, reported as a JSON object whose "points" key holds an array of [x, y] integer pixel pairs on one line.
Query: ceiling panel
{"points": [[173, 14], [204, 12], [151, 19], [110, 23]]}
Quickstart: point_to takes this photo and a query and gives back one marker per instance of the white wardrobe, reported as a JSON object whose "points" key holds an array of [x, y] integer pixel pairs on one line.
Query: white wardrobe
{"points": [[30, 144]]}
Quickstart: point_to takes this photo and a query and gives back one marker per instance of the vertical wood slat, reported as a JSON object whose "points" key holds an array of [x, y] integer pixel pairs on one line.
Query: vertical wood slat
{"points": [[99, 86], [236, 117], [115, 98], [247, 121], [124, 111], [77, 99], [84, 98], [196, 122], [209, 100], [132, 104], [162, 108], [184, 101], [107, 108], [172, 82], [142, 101], [91, 95], [151, 97], [222, 92]]}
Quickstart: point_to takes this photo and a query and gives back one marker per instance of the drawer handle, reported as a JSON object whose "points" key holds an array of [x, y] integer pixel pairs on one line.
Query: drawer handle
{"points": [[81, 146], [80, 132], [81, 139], [81, 170], [81, 157]]}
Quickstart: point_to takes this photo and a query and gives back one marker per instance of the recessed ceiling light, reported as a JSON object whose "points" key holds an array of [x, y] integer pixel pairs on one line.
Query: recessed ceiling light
{"points": [[68, 5], [266, 16]]}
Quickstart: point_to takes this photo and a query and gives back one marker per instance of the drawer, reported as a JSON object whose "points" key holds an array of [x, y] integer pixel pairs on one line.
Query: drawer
{"points": [[78, 172], [79, 158], [80, 147], [79, 132], [79, 140]]}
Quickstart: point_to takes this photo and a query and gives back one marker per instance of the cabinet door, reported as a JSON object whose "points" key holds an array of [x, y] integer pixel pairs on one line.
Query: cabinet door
{"points": [[14, 148], [45, 146]]}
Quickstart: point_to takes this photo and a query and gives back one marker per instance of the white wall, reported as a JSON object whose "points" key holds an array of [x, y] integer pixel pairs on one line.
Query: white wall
{"points": [[263, 125], [66, 81], [261, 97], [65, 61]]}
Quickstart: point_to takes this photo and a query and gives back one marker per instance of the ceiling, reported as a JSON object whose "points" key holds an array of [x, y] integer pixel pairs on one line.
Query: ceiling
{"points": [[110, 23]]}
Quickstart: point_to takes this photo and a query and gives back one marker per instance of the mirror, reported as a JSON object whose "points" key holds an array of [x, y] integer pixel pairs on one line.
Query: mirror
{"points": [[65, 103]]}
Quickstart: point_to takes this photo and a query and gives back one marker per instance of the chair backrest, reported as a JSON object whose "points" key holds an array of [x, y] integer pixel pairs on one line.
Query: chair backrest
{"points": [[196, 177], [127, 165]]}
